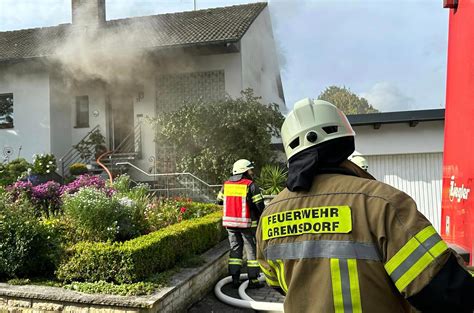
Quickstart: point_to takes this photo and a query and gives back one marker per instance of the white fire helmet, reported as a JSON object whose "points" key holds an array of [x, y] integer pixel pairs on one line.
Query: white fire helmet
{"points": [[361, 162], [312, 122], [241, 166]]}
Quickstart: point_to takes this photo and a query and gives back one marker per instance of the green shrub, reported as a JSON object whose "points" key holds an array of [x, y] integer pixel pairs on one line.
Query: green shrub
{"points": [[272, 179], [78, 169], [28, 247], [141, 257], [98, 217], [11, 172], [137, 198], [164, 212]]}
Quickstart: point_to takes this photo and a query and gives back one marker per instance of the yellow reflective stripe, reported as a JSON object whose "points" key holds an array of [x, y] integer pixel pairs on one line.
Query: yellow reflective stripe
{"points": [[252, 263], [254, 224], [336, 286], [257, 198], [354, 283], [235, 261], [420, 265], [272, 283], [266, 272], [280, 277], [408, 248], [235, 190]]}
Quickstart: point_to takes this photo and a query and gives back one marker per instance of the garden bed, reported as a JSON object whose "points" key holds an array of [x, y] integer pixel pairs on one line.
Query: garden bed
{"points": [[185, 287]]}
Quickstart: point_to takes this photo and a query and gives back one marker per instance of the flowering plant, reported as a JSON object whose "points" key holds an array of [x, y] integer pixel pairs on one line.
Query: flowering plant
{"points": [[44, 164], [47, 197], [20, 188], [86, 180]]}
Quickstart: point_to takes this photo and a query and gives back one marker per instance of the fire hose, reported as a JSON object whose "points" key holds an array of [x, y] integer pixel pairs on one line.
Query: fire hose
{"points": [[246, 302]]}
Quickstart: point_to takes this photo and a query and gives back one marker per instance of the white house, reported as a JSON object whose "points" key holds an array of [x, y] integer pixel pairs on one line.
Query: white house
{"points": [[62, 82], [405, 150]]}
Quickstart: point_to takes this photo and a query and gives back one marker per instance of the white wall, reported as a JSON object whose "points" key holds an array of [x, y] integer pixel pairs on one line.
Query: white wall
{"points": [[230, 63], [61, 111], [30, 87], [97, 101], [419, 175], [400, 138], [260, 69], [409, 159]]}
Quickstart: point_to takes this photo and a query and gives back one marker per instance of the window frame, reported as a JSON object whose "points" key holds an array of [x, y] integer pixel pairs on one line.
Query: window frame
{"points": [[79, 123], [8, 125]]}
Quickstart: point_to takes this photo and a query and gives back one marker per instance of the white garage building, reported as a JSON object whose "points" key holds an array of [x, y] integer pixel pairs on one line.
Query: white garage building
{"points": [[405, 150]]}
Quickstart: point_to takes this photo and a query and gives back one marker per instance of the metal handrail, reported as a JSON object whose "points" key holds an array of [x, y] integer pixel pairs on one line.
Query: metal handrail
{"points": [[73, 153], [125, 141], [166, 174]]}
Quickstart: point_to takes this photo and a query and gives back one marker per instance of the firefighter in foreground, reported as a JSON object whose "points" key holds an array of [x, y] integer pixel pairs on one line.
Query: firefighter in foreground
{"points": [[242, 205], [337, 240]]}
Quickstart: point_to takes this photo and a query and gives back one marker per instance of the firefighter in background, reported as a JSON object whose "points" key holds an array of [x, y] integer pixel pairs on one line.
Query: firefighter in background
{"points": [[242, 206], [337, 240], [361, 162]]}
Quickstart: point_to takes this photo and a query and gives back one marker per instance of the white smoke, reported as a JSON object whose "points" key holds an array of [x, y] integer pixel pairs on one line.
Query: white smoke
{"points": [[387, 97]]}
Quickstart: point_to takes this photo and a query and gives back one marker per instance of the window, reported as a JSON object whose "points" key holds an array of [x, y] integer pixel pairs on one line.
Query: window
{"points": [[6, 110], [82, 111]]}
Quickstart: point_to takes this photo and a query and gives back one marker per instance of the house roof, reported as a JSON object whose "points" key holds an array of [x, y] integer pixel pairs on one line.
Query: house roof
{"points": [[410, 117], [209, 26]]}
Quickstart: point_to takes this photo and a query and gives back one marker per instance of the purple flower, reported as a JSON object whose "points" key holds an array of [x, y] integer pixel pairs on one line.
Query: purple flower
{"points": [[87, 181], [47, 191], [20, 188]]}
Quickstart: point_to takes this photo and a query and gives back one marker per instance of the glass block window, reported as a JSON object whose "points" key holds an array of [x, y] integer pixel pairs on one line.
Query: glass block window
{"points": [[6, 110], [172, 91]]}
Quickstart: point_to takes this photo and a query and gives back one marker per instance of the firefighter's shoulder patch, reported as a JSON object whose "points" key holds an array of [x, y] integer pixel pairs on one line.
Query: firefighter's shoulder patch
{"points": [[318, 220]]}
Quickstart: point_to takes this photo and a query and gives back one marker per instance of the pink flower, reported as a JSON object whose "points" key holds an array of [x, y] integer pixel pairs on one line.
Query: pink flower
{"points": [[182, 210]]}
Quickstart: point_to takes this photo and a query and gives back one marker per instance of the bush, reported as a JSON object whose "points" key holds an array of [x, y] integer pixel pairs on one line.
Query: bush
{"points": [[137, 198], [141, 257], [78, 169], [272, 179], [240, 128], [97, 216], [44, 164], [11, 172], [28, 247]]}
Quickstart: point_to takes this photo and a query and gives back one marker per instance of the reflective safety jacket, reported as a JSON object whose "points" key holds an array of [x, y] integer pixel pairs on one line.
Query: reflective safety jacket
{"points": [[242, 202], [349, 244]]}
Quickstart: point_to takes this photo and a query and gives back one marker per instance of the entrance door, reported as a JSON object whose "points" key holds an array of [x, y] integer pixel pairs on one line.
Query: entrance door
{"points": [[121, 123]]}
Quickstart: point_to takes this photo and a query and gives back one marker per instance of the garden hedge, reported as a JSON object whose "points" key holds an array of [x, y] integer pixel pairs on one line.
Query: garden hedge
{"points": [[139, 258]]}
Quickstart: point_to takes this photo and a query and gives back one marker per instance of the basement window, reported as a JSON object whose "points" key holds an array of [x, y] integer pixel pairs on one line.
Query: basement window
{"points": [[82, 112], [6, 111]]}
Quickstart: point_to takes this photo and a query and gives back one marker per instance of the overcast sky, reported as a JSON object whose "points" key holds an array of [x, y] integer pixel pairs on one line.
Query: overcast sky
{"points": [[392, 52]]}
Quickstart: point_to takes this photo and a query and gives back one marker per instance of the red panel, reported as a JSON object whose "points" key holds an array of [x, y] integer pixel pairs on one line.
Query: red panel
{"points": [[457, 223]]}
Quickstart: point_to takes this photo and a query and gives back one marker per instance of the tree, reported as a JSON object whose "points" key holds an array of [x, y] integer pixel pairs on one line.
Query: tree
{"points": [[346, 100], [210, 137]]}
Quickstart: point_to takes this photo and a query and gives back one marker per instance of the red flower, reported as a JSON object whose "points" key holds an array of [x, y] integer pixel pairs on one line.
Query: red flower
{"points": [[182, 210]]}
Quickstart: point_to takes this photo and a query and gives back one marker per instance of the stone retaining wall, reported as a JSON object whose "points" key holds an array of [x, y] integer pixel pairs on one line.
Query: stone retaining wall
{"points": [[185, 288]]}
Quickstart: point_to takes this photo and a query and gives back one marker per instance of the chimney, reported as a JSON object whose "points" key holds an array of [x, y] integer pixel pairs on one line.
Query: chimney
{"points": [[88, 12]]}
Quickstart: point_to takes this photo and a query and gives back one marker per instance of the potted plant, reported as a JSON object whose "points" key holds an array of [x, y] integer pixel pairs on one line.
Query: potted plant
{"points": [[93, 145]]}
